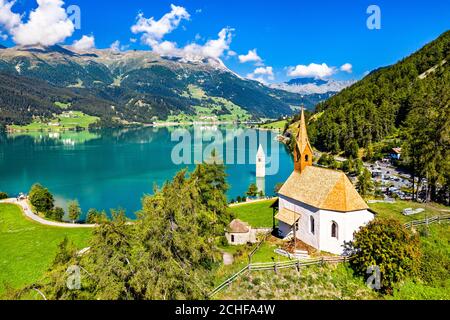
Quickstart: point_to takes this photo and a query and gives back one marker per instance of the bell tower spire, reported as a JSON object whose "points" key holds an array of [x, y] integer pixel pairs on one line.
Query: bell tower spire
{"points": [[303, 152]]}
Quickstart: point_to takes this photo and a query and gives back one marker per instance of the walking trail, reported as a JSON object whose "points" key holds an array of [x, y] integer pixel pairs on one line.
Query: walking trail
{"points": [[23, 204]]}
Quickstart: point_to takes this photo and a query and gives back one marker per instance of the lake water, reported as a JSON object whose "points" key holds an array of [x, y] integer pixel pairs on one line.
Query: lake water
{"points": [[115, 168]]}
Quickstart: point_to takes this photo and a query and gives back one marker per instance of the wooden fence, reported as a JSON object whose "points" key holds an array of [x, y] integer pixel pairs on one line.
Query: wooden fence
{"points": [[275, 266], [427, 221], [298, 263]]}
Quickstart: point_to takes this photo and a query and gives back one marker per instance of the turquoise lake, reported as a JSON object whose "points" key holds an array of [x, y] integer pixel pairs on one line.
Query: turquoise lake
{"points": [[115, 168]]}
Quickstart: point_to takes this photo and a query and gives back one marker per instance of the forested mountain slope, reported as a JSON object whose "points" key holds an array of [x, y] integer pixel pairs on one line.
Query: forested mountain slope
{"points": [[409, 101], [137, 86], [376, 106]]}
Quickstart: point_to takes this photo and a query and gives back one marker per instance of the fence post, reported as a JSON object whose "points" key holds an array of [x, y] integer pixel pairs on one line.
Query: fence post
{"points": [[322, 262]]}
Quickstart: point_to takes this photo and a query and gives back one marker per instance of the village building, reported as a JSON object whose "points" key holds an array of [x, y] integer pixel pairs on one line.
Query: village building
{"points": [[396, 153], [321, 207]]}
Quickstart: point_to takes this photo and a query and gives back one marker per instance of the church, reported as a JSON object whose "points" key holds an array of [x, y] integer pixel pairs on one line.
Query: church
{"points": [[320, 206]]}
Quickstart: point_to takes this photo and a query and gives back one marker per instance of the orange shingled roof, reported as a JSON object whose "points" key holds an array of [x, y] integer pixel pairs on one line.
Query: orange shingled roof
{"points": [[287, 216], [323, 189]]}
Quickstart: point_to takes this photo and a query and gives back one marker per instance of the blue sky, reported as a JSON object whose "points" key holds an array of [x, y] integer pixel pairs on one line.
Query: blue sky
{"points": [[286, 33]]}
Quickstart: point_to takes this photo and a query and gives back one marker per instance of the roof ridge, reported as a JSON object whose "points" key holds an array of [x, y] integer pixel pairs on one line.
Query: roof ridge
{"points": [[344, 177]]}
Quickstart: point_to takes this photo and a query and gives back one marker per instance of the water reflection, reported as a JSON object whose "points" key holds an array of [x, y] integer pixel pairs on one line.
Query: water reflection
{"points": [[115, 167]]}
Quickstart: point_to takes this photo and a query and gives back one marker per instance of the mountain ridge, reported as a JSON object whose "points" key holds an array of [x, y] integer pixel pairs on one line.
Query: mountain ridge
{"points": [[141, 86]]}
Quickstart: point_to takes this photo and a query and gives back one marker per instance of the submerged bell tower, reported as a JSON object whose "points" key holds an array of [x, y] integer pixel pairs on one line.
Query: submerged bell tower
{"points": [[303, 152], [260, 163]]}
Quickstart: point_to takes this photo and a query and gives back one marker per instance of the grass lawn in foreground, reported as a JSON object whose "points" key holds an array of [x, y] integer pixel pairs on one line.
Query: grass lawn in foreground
{"points": [[28, 248], [257, 214]]}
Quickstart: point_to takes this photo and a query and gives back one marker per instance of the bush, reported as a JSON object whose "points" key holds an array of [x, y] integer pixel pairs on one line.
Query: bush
{"points": [[41, 198], [388, 245], [3, 195], [96, 217], [56, 214]]}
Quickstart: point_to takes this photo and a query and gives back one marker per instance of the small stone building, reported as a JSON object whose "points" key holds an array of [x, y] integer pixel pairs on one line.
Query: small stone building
{"points": [[239, 232]]}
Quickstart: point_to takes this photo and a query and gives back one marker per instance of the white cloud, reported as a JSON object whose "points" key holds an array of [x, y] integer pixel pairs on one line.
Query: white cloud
{"points": [[155, 30], [8, 19], [251, 56], [47, 25], [84, 44], [347, 67], [262, 74], [117, 47], [211, 49], [133, 40], [313, 70]]}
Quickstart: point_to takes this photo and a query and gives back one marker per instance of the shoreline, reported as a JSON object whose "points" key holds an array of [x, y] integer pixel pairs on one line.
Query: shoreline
{"points": [[10, 130]]}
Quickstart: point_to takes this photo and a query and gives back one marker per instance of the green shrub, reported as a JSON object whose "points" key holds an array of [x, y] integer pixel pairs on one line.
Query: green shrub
{"points": [[56, 214], [41, 198], [3, 195], [388, 245]]}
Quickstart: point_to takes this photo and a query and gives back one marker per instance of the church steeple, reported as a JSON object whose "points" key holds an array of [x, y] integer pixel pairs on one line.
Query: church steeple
{"points": [[303, 152]]}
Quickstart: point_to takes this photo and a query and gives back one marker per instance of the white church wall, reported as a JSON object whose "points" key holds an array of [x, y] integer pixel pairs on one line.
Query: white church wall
{"points": [[348, 223], [304, 226]]}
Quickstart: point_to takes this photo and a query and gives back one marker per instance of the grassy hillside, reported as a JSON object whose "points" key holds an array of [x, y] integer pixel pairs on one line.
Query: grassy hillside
{"points": [[311, 283], [338, 282], [28, 248], [258, 215], [64, 122]]}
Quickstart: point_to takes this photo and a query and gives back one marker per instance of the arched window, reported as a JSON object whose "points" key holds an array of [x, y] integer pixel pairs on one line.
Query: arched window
{"points": [[334, 230], [307, 158], [312, 225], [232, 238]]}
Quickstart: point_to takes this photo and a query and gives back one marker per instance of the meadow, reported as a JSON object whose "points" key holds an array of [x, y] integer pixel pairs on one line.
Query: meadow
{"points": [[64, 122], [27, 249]]}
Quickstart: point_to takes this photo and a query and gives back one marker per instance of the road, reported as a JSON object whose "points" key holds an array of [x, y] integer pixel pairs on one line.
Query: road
{"points": [[23, 204]]}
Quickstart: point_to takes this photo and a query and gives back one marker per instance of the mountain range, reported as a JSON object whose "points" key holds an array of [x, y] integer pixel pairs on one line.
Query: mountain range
{"points": [[307, 86], [133, 86]]}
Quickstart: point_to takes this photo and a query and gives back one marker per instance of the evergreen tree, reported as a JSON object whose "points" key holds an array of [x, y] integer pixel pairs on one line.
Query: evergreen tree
{"points": [[74, 210], [252, 190], [364, 184]]}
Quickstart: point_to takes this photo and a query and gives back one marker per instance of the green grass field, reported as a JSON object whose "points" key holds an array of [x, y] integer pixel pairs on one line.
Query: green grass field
{"points": [[277, 125], [258, 214], [394, 210], [58, 124], [27, 248]]}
